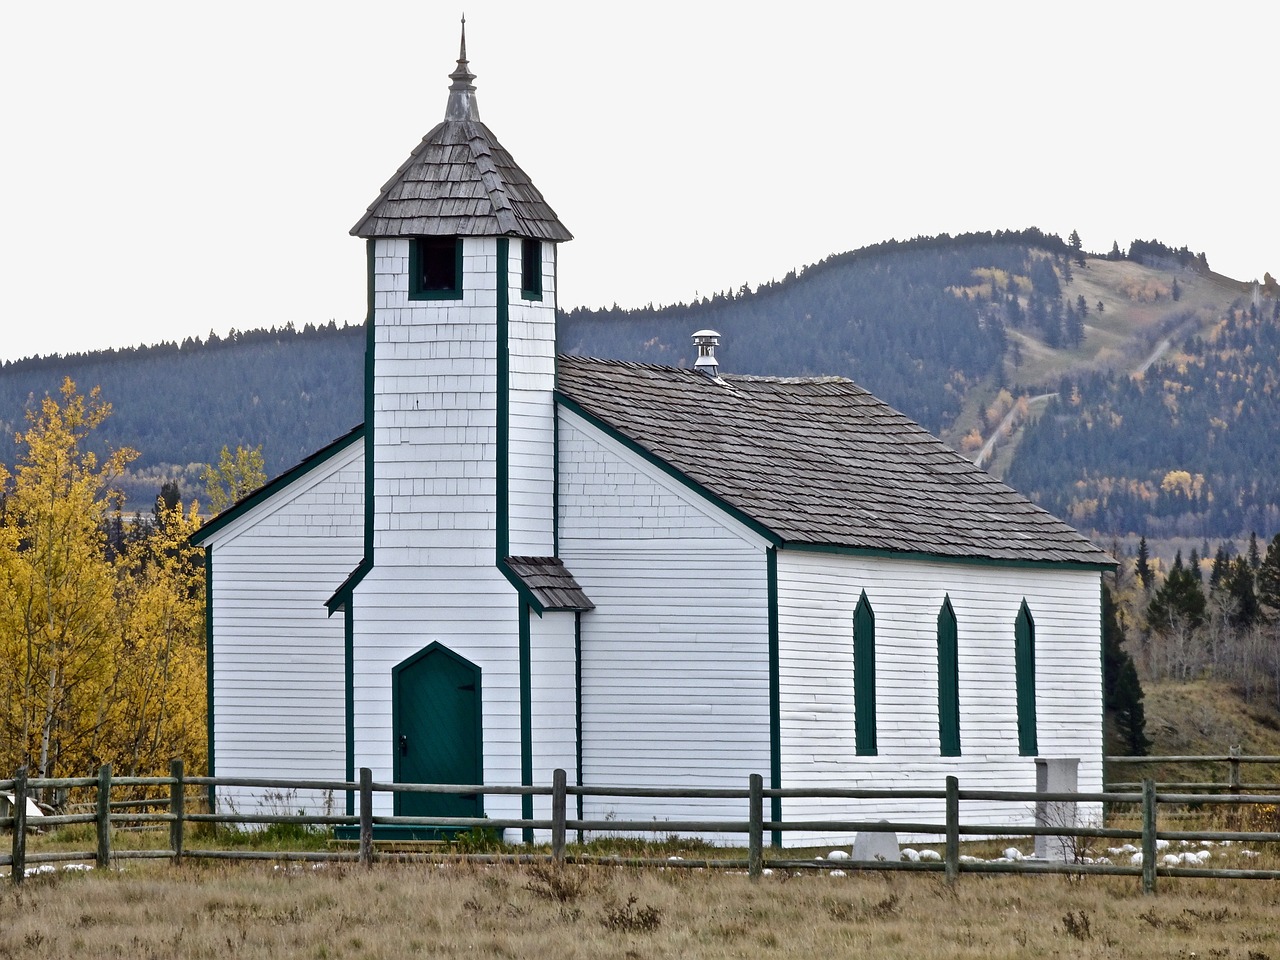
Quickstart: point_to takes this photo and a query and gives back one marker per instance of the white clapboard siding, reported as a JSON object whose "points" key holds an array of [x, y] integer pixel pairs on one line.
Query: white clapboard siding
{"points": [[554, 703], [817, 594], [278, 658], [675, 667]]}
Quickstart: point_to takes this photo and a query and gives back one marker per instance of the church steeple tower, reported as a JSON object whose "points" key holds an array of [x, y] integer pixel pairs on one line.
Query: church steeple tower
{"points": [[461, 357]]}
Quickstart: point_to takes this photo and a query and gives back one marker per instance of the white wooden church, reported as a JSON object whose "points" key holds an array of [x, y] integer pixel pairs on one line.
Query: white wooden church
{"points": [[643, 575]]}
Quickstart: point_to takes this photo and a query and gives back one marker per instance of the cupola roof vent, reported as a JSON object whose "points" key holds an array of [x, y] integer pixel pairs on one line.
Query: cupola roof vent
{"points": [[706, 341]]}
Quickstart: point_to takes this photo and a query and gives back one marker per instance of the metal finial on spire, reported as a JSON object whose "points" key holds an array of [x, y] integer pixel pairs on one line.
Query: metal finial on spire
{"points": [[462, 95]]}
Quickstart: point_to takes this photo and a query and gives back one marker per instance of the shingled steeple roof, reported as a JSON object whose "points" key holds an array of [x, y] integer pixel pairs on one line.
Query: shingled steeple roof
{"points": [[460, 181]]}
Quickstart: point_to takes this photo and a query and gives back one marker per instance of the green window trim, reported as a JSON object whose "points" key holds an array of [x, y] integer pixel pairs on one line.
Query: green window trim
{"points": [[1024, 659], [948, 680], [530, 269], [864, 678], [430, 273]]}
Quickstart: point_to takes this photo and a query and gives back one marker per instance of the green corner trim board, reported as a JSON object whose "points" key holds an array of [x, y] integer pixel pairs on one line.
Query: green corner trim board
{"points": [[775, 694]]}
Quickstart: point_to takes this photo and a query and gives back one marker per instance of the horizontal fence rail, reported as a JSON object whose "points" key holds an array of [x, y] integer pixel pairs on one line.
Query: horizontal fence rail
{"points": [[1233, 759], [169, 794]]}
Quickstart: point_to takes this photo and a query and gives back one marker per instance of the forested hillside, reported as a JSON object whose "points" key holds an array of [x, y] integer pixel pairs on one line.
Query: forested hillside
{"points": [[898, 318], [1185, 449], [178, 404]]}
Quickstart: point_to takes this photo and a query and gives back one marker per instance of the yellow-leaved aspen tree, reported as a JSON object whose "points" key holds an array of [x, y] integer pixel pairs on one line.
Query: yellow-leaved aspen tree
{"points": [[57, 589], [236, 476], [158, 683]]}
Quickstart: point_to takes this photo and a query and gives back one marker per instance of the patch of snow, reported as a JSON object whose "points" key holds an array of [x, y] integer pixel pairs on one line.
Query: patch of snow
{"points": [[1250, 853]]}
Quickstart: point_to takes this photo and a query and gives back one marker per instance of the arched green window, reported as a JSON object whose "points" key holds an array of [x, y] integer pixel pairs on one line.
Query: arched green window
{"points": [[1024, 663], [864, 677], [948, 681]]}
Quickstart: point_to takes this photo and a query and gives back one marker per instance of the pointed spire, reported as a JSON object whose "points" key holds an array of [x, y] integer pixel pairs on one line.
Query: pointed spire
{"points": [[462, 95]]}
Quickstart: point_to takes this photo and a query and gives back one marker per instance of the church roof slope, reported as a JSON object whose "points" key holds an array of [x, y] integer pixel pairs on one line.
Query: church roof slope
{"points": [[819, 462], [460, 182]]}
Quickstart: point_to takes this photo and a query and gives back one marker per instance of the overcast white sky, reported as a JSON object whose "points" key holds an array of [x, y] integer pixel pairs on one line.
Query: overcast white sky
{"points": [[169, 168]]}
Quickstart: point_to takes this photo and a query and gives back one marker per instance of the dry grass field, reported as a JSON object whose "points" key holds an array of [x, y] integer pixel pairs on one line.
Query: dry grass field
{"points": [[455, 910]]}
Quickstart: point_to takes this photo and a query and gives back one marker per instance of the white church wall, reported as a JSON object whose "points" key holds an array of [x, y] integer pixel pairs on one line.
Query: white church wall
{"points": [[817, 595], [675, 666], [278, 661]]}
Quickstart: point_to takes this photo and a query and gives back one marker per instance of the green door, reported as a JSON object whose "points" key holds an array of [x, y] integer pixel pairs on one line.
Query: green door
{"points": [[436, 730]]}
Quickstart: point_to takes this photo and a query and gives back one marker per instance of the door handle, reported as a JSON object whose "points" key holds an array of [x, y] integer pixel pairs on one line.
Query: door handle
{"points": [[404, 745]]}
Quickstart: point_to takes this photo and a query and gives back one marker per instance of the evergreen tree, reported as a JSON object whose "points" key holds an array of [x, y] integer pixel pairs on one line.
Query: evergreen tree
{"points": [[1269, 581], [1255, 559], [1122, 691], [1193, 564], [1221, 564], [1077, 248], [1115, 253], [1131, 716], [1143, 567], [1178, 601], [1239, 584]]}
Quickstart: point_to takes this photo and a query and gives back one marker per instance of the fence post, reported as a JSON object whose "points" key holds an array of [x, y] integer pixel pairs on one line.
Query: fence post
{"points": [[951, 859], [755, 831], [1148, 836], [366, 816], [104, 816], [176, 802], [558, 796], [19, 867], [1233, 769]]}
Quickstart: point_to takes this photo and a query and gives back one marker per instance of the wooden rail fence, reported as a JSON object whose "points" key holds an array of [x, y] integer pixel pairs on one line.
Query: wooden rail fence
{"points": [[107, 816]]}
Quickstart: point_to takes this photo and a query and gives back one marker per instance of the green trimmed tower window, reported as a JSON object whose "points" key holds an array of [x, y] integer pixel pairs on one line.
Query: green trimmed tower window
{"points": [[864, 677], [1024, 659], [435, 268], [948, 681], [531, 269]]}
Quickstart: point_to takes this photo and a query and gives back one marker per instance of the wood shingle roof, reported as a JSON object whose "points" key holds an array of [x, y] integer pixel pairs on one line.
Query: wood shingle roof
{"points": [[820, 462], [460, 182], [551, 583]]}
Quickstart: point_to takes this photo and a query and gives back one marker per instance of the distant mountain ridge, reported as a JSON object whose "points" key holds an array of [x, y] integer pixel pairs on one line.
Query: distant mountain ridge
{"points": [[957, 332]]}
